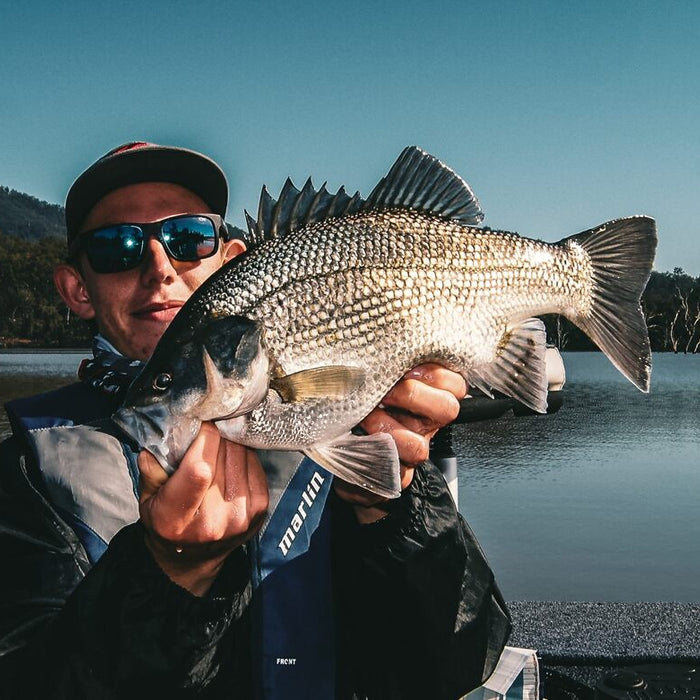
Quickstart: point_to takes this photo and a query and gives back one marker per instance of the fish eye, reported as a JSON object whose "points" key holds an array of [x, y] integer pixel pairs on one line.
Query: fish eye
{"points": [[162, 381]]}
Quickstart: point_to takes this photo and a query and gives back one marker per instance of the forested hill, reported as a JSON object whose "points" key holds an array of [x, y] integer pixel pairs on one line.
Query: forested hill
{"points": [[32, 241], [24, 216]]}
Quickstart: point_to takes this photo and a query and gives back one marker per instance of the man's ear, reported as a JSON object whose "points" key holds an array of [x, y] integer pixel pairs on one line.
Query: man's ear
{"points": [[233, 249], [71, 286]]}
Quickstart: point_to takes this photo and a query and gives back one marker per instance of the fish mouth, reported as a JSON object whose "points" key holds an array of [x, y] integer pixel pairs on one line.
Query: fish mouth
{"points": [[154, 429]]}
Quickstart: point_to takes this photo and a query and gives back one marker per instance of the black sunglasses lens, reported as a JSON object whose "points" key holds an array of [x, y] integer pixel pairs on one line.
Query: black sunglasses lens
{"points": [[115, 248], [189, 238]]}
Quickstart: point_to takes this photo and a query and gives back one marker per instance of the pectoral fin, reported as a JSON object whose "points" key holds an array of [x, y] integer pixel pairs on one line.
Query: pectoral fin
{"points": [[368, 461], [519, 370], [320, 382]]}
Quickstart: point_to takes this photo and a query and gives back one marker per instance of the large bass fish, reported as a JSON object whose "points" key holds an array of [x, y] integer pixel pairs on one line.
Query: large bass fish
{"points": [[292, 344]]}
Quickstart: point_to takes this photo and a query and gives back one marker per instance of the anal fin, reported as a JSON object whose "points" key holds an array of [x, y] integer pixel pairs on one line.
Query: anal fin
{"points": [[520, 369], [368, 461]]}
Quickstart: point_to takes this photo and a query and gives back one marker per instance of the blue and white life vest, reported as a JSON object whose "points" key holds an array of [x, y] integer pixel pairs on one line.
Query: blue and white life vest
{"points": [[91, 478]]}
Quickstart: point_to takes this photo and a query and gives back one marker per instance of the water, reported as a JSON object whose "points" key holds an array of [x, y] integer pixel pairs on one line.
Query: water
{"points": [[597, 502], [25, 373]]}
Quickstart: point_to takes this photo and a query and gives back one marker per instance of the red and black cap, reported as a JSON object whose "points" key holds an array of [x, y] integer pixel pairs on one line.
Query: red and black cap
{"points": [[140, 161]]}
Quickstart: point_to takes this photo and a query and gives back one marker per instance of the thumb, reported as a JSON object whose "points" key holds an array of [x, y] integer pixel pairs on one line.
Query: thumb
{"points": [[152, 475]]}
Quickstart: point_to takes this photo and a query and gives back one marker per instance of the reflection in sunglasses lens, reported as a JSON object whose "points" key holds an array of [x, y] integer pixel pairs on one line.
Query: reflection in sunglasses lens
{"points": [[115, 248], [190, 237]]}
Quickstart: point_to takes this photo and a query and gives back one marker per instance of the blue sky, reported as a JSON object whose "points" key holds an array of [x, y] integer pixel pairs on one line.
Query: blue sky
{"points": [[560, 115]]}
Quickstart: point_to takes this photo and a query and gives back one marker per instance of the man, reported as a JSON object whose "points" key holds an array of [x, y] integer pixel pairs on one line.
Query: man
{"points": [[188, 600]]}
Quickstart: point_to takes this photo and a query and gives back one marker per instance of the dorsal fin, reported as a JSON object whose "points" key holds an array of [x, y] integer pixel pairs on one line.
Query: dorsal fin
{"points": [[416, 181], [421, 182], [296, 208]]}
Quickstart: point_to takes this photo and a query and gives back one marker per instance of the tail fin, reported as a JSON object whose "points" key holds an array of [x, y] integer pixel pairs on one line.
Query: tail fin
{"points": [[622, 254]]}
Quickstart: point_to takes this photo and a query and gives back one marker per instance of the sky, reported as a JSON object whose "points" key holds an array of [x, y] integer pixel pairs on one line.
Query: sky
{"points": [[560, 115]]}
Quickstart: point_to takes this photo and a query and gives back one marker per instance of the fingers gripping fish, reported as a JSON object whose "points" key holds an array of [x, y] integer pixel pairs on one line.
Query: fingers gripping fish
{"points": [[293, 343]]}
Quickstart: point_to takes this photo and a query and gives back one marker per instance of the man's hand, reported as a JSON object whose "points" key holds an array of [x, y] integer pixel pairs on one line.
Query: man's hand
{"points": [[215, 501], [425, 400]]}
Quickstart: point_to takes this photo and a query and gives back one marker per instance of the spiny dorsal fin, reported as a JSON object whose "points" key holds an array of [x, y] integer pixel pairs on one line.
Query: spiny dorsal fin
{"points": [[297, 208], [421, 182], [416, 181]]}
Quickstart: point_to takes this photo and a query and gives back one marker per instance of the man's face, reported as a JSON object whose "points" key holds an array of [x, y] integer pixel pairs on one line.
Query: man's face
{"points": [[132, 309]]}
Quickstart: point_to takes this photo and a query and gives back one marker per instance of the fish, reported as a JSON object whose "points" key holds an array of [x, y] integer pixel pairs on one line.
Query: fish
{"points": [[290, 345]]}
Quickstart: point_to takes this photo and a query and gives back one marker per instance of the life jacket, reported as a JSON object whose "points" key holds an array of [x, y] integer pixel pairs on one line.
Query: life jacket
{"points": [[87, 474], [90, 476]]}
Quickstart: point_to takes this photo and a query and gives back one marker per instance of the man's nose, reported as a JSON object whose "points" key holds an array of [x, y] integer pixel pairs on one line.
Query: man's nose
{"points": [[157, 265]]}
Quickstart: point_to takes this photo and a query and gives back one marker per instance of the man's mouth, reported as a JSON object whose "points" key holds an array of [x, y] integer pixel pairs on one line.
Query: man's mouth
{"points": [[164, 311]]}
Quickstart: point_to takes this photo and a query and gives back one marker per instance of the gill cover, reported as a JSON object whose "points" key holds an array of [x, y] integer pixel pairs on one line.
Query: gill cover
{"points": [[236, 368]]}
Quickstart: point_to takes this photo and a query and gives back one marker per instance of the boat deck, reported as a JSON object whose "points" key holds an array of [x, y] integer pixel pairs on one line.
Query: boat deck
{"points": [[584, 641]]}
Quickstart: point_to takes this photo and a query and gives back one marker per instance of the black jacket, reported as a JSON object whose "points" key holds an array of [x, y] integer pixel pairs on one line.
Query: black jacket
{"points": [[418, 612]]}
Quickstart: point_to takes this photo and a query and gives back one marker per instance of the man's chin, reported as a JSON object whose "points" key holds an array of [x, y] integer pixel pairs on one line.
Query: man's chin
{"points": [[145, 334]]}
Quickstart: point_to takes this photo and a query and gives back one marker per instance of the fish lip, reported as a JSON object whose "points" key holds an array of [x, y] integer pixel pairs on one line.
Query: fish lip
{"points": [[145, 431], [126, 418], [153, 424], [154, 428]]}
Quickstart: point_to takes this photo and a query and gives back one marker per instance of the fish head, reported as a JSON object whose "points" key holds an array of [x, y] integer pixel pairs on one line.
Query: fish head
{"points": [[216, 371]]}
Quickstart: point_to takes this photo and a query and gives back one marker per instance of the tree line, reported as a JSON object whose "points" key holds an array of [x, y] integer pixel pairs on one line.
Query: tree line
{"points": [[33, 315], [31, 312], [671, 307]]}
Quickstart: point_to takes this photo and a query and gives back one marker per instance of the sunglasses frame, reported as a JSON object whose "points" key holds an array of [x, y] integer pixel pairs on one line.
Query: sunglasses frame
{"points": [[152, 229]]}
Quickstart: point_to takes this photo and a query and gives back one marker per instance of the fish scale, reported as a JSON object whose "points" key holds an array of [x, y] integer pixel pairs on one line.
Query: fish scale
{"points": [[295, 342]]}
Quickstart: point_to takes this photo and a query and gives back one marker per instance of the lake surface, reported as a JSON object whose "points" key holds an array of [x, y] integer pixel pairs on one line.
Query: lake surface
{"points": [[23, 373], [600, 501]]}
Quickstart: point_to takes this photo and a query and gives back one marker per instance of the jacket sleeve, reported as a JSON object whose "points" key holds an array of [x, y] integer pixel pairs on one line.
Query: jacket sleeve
{"points": [[120, 629], [420, 614]]}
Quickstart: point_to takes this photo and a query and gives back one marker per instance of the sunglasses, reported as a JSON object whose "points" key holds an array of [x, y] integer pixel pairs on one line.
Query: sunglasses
{"points": [[120, 247]]}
